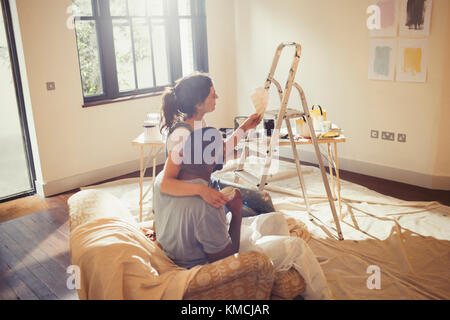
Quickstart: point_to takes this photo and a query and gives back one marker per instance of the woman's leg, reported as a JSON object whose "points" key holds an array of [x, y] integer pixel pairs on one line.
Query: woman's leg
{"points": [[254, 202]]}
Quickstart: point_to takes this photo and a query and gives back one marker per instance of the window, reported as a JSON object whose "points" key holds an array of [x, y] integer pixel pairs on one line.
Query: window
{"points": [[130, 47]]}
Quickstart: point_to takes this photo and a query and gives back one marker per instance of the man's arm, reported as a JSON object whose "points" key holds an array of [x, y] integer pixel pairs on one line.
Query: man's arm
{"points": [[235, 207]]}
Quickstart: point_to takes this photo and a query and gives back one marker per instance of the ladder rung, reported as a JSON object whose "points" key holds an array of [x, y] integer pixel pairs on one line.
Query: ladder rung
{"points": [[247, 177], [289, 114]]}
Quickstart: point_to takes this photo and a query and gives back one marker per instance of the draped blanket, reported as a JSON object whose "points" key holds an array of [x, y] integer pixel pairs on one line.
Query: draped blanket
{"points": [[117, 261]]}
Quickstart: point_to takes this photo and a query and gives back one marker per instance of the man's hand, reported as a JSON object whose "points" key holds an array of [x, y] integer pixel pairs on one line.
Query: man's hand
{"points": [[235, 205]]}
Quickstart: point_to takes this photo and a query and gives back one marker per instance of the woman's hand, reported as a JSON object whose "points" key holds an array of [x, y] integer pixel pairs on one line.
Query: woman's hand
{"points": [[252, 122], [235, 205], [212, 196]]}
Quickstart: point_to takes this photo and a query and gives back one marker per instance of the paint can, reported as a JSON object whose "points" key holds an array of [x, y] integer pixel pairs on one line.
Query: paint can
{"points": [[151, 128], [269, 125]]}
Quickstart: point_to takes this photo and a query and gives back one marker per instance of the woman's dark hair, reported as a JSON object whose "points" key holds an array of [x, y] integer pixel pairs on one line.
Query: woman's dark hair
{"points": [[179, 102]]}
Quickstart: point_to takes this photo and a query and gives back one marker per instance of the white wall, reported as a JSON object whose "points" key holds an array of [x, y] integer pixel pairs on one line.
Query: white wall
{"points": [[222, 61], [333, 73], [442, 157], [74, 145]]}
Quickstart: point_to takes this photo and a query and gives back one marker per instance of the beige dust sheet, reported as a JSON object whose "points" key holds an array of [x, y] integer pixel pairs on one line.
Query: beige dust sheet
{"points": [[408, 242], [115, 256]]}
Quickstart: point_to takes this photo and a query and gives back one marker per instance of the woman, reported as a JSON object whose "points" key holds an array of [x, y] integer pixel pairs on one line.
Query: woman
{"points": [[183, 109]]}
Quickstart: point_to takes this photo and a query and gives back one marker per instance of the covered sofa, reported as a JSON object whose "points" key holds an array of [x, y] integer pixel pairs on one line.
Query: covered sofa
{"points": [[117, 261]]}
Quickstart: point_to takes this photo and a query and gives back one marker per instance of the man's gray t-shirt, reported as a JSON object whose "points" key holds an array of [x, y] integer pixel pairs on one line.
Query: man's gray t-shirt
{"points": [[187, 227]]}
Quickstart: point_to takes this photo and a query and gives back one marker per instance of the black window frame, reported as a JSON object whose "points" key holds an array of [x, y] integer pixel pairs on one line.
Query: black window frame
{"points": [[107, 60]]}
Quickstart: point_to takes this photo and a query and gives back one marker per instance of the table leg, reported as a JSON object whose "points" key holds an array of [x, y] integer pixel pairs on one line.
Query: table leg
{"points": [[241, 163], [152, 158], [336, 160], [141, 178], [330, 166], [154, 176]]}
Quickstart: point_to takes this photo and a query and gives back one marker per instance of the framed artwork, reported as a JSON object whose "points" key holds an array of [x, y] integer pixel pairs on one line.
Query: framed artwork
{"points": [[415, 18], [412, 61], [388, 19], [382, 58]]}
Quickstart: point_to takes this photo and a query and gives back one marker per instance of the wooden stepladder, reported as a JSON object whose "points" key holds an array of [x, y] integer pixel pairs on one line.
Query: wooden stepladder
{"points": [[285, 114]]}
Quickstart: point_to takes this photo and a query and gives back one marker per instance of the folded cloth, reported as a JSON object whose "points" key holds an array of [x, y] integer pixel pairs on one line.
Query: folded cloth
{"points": [[117, 261], [270, 234]]}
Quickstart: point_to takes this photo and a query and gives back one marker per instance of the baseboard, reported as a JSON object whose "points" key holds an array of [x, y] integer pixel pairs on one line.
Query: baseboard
{"points": [[51, 188], [410, 177], [379, 171]]}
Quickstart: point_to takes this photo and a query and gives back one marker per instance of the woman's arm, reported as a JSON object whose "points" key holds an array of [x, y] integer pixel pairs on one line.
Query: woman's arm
{"points": [[232, 141], [171, 185]]}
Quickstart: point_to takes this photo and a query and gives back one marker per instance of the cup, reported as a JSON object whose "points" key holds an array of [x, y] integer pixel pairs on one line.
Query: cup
{"points": [[325, 126]]}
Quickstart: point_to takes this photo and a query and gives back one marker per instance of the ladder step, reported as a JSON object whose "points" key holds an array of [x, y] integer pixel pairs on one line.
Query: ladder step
{"points": [[250, 178], [289, 114]]}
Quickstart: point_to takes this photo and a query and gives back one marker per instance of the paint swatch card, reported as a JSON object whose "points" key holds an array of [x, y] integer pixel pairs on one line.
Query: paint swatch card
{"points": [[260, 99], [415, 18], [412, 60], [382, 59], [387, 22]]}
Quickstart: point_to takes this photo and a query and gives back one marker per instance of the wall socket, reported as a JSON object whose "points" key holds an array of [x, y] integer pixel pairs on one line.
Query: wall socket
{"points": [[51, 86], [401, 137], [390, 136], [374, 134]]}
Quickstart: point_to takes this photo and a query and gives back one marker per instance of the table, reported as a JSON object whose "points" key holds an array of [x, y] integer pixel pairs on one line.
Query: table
{"points": [[155, 147], [330, 142], [332, 164]]}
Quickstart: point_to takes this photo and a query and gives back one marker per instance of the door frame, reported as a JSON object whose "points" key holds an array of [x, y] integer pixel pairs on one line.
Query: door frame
{"points": [[6, 11]]}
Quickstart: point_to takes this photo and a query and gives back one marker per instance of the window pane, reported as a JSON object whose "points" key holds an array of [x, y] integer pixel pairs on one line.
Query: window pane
{"points": [[143, 54], [82, 7], [124, 55], [160, 52], [118, 7], [184, 7], [155, 7], [89, 58], [187, 55], [14, 172], [137, 7]]}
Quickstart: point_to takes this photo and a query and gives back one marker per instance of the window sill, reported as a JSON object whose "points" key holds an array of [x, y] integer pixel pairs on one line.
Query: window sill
{"points": [[121, 99]]}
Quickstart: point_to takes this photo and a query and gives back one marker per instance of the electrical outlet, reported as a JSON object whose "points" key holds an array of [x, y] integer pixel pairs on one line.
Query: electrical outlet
{"points": [[401, 137], [390, 136], [374, 134], [51, 86]]}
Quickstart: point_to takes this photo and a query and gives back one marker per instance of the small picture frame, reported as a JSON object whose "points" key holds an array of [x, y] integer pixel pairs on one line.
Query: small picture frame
{"points": [[415, 18]]}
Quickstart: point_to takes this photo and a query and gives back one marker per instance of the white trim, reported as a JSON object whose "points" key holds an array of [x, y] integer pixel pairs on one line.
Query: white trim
{"points": [[379, 171], [88, 178]]}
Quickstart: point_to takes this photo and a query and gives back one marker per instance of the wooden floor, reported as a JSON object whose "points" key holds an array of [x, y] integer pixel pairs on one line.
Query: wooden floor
{"points": [[34, 250]]}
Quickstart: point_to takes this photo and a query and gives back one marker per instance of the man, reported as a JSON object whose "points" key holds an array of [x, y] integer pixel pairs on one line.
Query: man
{"points": [[190, 231]]}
